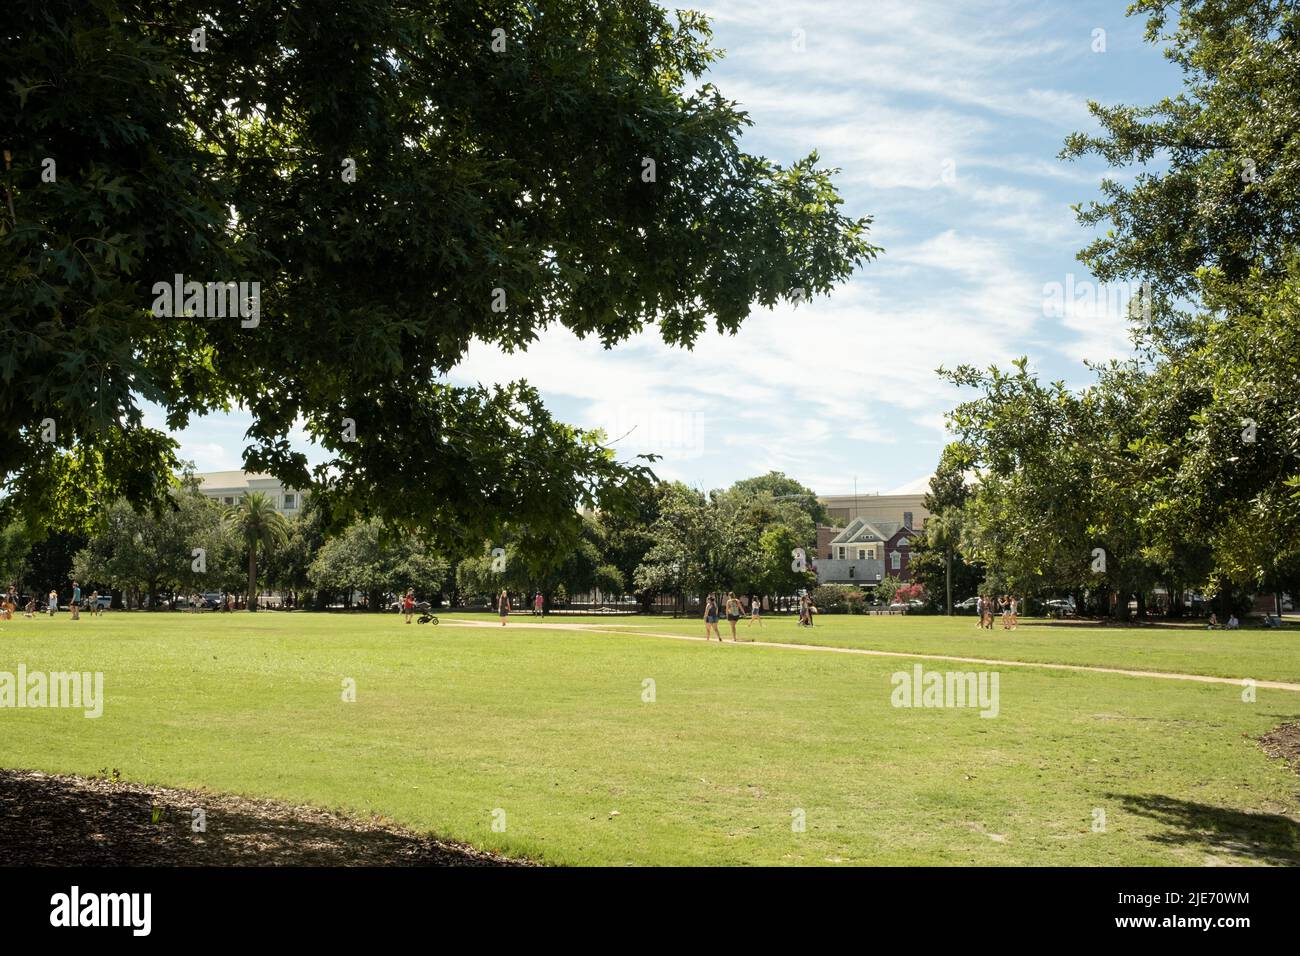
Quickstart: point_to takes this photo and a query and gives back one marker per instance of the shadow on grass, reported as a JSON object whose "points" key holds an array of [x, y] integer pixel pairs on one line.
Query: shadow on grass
{"points": [[78, 821], [1261, 837]]}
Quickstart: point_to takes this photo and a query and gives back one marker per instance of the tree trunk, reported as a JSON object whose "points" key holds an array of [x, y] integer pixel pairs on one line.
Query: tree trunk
{"points": [[948, 579], [252, 579]]}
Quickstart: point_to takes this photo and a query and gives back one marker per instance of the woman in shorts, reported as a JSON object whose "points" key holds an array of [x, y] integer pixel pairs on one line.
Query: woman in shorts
{"points": [[733, 613], [503, 607], [711, 618], [755, 611], [408, 604]]}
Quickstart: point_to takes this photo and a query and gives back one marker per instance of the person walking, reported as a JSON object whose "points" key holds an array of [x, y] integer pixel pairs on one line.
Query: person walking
{"points": [[53, 605], [539, 603], [95, 609], [711, 618], [756, 612], [733, 613], [1014, 608], [408, 604], [74, 606], [503, 607]]}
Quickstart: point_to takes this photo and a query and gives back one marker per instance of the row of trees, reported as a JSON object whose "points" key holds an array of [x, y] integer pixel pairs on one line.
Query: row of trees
{"points": [[1179, 468], [668, 539]]}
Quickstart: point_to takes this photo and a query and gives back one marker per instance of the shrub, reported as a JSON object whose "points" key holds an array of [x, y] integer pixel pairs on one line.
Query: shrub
{"points": [[835, 598]]}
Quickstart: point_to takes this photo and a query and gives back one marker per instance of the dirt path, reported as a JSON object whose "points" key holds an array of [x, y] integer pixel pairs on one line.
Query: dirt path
{"points": [[50, 820], [1088, 668]]}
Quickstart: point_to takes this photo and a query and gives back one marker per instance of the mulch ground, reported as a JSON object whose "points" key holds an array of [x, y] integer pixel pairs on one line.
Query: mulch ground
{"points": [[1284, 742], [50, 820]]}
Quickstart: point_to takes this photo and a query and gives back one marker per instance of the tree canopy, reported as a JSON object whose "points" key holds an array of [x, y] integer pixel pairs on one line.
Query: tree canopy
{"points": [[400, 183]]}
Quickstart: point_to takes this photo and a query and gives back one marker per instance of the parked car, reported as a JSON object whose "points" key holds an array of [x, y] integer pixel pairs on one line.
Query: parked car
{"points": [[105, 601], [212, 600], [1057, 607], [970, 604]]}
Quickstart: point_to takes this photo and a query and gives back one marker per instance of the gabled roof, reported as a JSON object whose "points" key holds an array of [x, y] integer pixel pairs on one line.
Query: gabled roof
{"points": [[862, 531]]}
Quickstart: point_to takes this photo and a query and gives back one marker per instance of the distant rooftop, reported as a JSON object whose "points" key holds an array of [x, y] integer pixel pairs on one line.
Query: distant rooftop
{"points": [[213, 480]]}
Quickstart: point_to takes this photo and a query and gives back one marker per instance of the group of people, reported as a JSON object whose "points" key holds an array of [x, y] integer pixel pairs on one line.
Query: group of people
{"points": [[1232, 625], [734, 610], [503, 605], [9, 606], [1007, 606]]}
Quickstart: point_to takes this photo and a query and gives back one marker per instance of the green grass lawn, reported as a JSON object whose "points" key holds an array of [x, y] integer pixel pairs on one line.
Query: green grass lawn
{"points": [[452, 723], [1181, 648]]}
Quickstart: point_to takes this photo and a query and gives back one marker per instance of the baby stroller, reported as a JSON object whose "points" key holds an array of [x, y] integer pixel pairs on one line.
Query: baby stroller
{"points": [[424, 609]]}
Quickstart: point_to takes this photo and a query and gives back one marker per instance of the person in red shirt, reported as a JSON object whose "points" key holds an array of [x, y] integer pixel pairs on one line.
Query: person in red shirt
{"points": [[408, 604], [538, 602]]}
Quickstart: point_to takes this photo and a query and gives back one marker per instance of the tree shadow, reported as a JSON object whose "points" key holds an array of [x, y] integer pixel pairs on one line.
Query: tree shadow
{"points": [[77, 821], [1262, 837]]}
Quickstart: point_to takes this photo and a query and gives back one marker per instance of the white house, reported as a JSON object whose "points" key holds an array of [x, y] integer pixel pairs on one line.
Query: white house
{"points": [[227, 487]]}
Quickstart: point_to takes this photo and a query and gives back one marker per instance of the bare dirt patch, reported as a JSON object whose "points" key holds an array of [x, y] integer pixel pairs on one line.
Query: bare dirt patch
{"points": [[48, 820], [1284, 742]]}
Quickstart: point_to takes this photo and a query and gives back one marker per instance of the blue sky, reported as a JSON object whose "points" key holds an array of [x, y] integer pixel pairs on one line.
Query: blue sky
{"points": [[945, 119]]}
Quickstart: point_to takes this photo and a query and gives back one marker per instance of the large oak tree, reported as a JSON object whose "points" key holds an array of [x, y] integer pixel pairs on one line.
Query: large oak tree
{"points": [[518, 165]]}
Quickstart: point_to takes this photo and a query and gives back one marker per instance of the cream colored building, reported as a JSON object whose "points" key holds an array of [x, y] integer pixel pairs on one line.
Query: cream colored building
{"points": [[900, 510], [227, 487]]}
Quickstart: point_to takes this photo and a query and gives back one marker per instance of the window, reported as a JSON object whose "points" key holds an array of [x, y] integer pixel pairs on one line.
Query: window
{"points": [[894, 557], [861, 554], [903, 543], [229, 500], [907, 519], [290, 501], [841, 554], [871, 553]]}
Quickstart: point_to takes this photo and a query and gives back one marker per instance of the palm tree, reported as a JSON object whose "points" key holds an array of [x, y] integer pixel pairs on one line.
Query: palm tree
{"points": [[260, 524], [943, 531]]}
